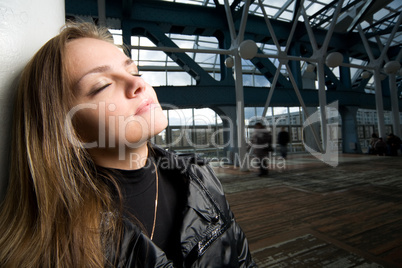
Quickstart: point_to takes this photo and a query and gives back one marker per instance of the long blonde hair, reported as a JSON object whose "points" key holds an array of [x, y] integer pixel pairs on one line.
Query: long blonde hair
{"points": [[52, 213]]}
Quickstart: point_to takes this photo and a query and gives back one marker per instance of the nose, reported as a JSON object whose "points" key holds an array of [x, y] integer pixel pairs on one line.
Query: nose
{"points": [[135, 86]]}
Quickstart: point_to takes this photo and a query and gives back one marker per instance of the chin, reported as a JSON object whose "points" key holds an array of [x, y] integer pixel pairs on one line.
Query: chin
{"points": [[138, 134], [160, 125]]}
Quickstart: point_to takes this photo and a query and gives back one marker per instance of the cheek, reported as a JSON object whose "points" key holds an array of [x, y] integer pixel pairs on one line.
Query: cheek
{"points": [[110, 127], [144, 127], [86, 124], [95, 124]]}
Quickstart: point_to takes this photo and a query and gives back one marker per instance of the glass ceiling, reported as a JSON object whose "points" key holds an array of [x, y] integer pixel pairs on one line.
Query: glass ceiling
{"points": [[154, 65]]}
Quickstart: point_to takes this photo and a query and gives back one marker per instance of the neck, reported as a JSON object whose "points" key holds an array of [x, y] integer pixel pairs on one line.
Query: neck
{"points": [[133, 158]]}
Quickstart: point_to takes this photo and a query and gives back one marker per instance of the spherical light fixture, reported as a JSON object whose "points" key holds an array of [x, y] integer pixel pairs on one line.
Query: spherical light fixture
{"points": [[392, 67], [334, 59], [248, 49], [365, 74], [229, 62]]}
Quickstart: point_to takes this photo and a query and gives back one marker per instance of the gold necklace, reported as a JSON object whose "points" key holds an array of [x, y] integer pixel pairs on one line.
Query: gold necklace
{"points": [[156, 200]]}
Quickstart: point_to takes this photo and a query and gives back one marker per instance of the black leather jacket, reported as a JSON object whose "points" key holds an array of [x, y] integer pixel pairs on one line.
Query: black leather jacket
{"points": [[210, 236]]}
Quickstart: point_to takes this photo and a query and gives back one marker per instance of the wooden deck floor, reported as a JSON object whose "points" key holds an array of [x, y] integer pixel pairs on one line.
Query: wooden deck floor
{"points": [[314, 215]]}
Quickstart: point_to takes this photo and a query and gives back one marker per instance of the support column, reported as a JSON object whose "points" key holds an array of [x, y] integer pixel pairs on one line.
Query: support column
{"points": [[379, 103], [241, 141], [295, 66], [394, 105], [350, 139], [322, 98], [126, 34], [230, 138], [308, 134], [308, 80], [344, 73], [25, 26]]}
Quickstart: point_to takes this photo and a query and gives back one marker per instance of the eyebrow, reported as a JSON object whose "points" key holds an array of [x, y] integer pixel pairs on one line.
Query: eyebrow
{"points": [[104, 68]]}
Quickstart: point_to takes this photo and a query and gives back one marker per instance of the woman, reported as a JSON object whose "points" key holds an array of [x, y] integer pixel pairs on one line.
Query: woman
{"points": [[86, 189]]}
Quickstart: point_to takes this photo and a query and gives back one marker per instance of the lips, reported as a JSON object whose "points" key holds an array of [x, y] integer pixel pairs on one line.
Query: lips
{"points": [[144, 106]]}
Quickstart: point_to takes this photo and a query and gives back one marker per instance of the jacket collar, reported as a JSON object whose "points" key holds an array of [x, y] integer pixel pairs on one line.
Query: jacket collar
{"points": [[166, 159]]}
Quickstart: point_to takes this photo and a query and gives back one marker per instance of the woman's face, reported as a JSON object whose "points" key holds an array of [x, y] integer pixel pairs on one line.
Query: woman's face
{"points": [[113, 104]]}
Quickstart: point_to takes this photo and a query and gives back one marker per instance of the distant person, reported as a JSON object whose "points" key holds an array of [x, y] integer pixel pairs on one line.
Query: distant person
{"points": [[374, 139], [380, 147], [261, 144], [394, 144], [283, 140]]}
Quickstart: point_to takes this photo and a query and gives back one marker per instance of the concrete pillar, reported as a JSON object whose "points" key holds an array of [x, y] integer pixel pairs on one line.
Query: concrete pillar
{"points": [[350, 139], [25, 26]]}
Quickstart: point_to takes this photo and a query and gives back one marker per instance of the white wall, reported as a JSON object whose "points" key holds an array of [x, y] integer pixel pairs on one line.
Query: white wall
{"points": [[25, 25]]}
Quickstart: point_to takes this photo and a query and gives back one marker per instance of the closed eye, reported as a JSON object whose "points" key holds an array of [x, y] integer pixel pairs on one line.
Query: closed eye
{"points": [[136, 74], [98, 90]]}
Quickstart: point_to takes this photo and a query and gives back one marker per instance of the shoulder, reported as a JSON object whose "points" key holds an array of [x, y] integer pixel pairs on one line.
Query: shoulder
{"points": [[196, 171], [192, 165], [171, 160]]}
